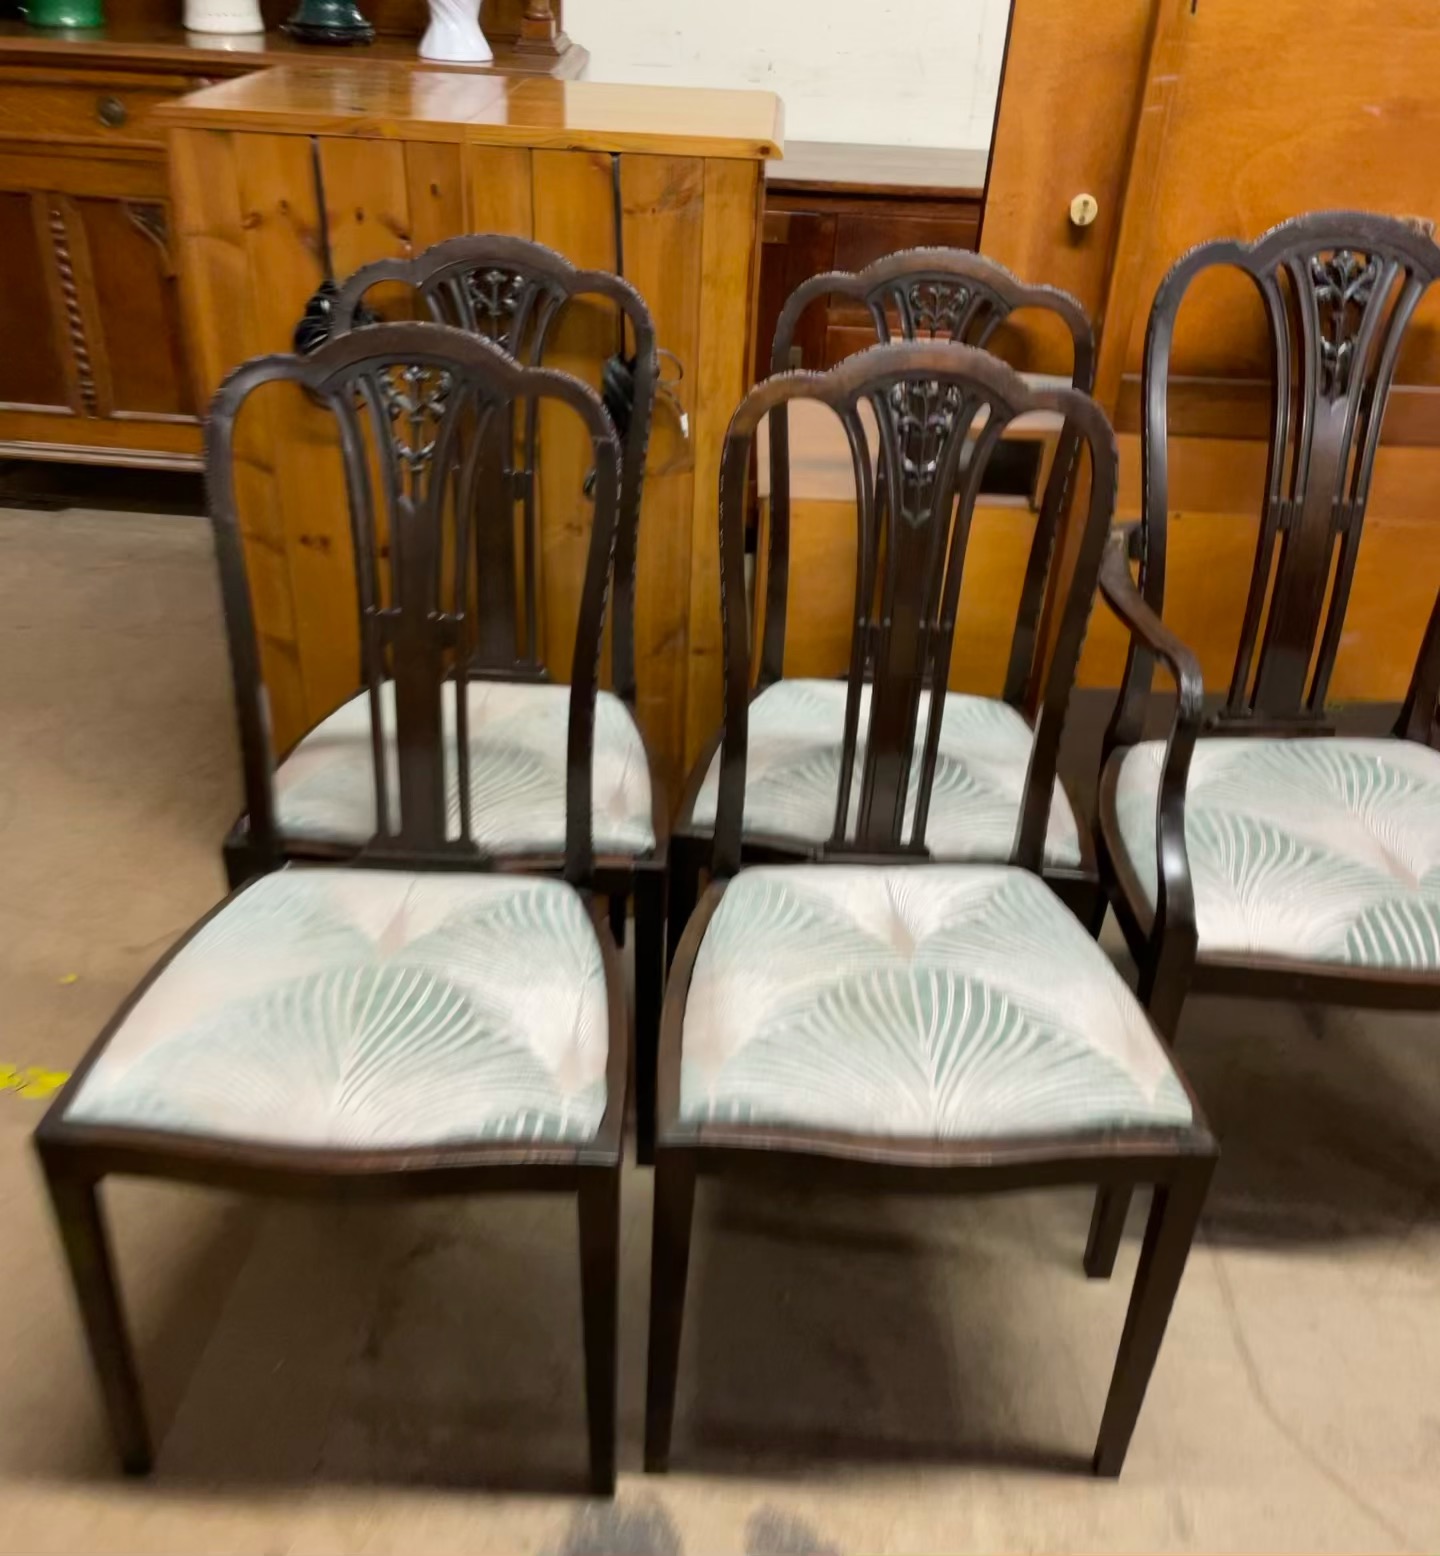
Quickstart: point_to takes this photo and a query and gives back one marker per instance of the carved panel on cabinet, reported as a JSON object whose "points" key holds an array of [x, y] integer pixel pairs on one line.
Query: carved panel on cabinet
{"points": [[92, 363]]}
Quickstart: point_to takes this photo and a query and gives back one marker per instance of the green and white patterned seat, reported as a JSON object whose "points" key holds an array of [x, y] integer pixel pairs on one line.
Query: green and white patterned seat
{"points": [[1317, 850], [792, 773], [325, 788], [368, 1009], [923, 1000]]}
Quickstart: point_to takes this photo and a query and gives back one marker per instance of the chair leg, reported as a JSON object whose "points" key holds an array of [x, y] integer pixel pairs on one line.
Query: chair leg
{"points": [[1107, 1225], [683, 891], [599, 1291], [1169, 1233], [92, 1273], [1164, 979], [619, 909], [239, 864], [669, 1265], [649, 998]]}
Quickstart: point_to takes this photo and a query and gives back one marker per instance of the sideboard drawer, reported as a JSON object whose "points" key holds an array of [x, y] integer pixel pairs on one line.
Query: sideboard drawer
{"points": [[101, 109]]}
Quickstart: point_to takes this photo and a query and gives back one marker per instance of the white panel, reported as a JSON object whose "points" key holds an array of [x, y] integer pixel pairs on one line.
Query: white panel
{"points": [[874, 72]]}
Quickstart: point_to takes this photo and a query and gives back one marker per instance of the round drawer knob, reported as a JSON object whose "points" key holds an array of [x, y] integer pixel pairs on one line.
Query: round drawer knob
{"points": [[1084, 208], [111, 112]]}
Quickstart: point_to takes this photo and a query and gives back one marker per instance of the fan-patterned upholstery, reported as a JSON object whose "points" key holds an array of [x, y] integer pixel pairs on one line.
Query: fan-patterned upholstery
{"points": [[930, 1001], [1321, 850], [368, 1009], [325, 788], [792, 773]]}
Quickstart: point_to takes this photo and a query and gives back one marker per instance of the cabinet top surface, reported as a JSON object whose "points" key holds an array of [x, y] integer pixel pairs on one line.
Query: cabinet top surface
{"points": [[136, 45], [379, 100]]}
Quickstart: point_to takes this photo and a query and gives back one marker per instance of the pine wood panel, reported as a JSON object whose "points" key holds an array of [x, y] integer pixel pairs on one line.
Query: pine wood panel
{"points": [[394, 101], [571, 199], [734, 205], [218, 299], [279, 218], [499, 190], [435, 192], [667, 214]]}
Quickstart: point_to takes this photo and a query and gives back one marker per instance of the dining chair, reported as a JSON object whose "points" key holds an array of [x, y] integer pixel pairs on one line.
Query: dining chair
{"points": [[1254, 850], [796, 728], [873, 1020], [419, 1021], [517, 294]]}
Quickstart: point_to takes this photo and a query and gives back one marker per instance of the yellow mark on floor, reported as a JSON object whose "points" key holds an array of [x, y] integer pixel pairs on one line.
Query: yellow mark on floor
{"points": [[32, 1080]]}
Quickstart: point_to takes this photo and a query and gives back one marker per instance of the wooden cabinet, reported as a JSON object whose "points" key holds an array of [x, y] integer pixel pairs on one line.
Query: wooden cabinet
{"points": [[92, 363], [93, 360], [405, 153], [812, 227]]}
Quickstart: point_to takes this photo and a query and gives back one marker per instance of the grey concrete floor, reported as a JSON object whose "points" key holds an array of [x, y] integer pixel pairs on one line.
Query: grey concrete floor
{"points": [[887, 1375]]}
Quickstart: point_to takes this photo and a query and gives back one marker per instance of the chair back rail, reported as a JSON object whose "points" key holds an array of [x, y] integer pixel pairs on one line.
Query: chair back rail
{"points": [[938, 410], [941, 295], [415, 406], [513, 292]]}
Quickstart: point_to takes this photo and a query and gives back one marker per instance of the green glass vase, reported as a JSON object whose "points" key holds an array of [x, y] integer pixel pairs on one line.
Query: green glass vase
{"points": [[65, 13], [329, 21]]}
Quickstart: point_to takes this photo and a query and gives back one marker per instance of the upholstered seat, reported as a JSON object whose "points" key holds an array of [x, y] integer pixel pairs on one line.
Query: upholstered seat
{"points": [[792, 775], [369, 1008], [518, 733], [929, 1001], [1311, 849]]}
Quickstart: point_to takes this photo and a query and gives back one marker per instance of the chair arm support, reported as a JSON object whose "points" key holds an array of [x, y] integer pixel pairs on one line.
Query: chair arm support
{"points": [[1420, 717], [1122, 596], [1175, 900]]}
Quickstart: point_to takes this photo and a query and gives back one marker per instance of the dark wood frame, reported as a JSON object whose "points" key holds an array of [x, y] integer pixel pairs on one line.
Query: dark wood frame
{"points": [[513, 292], [943, 294], [77, 1156], [1177, 1162], [1339, 290]]}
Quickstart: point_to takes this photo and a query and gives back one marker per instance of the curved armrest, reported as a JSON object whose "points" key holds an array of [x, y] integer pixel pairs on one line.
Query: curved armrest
{"points": [[1420, 717], [1175, 901], [1125, 599]]}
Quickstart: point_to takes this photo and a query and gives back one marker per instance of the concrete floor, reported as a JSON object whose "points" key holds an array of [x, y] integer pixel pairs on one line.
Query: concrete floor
{"points": [[893, 1375]]}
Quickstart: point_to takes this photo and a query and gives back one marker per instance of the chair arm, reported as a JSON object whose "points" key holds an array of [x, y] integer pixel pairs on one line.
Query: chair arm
{"points": [[1125, 599], [1420, 717], [1175, 900]]}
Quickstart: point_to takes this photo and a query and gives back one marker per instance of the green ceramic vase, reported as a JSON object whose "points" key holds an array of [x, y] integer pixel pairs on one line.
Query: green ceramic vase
{"points": [[329, 21], [65, 13]]}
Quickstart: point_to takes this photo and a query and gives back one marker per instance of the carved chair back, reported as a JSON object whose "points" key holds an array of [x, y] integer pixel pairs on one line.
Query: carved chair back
{"points": [[1339, 290], [942, 295], [936, 413], [414, 405], [513, 292]]}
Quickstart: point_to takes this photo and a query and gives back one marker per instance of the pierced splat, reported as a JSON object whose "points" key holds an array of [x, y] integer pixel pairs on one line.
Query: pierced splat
{"points": [[415, 398], [950, 297], [934, 307], [1344, 284], [936, 412], [923, 414], [511, 292], [414, 405], [1339, 291]]}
